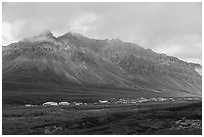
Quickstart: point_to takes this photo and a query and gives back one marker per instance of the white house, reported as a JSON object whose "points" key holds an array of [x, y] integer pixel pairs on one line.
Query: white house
{"points": [[189, 99], [103, 101], [171, 99], [142, 99], [64, 103], [161, 99], [77, 103], [29, 105], [50, 104]]}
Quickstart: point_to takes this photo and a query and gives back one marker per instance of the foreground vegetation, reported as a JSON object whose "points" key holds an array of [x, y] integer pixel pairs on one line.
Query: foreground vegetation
{"points": [[150, 118]]}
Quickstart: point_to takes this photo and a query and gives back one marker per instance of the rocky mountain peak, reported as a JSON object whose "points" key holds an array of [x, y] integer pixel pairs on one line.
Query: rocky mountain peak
{"points": [[71, 35], [43, 36], [46, 33]]}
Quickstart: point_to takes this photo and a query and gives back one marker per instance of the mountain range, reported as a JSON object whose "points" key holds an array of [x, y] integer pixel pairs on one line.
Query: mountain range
{"points": [[73, 60]]}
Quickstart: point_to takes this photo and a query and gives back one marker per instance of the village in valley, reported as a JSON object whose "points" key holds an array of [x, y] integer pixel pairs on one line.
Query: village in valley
{"points": [[113, 101]]}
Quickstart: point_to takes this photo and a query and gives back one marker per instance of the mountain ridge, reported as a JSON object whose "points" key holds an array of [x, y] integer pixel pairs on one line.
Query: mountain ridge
{"points": [[75, 59], [49, 33]]}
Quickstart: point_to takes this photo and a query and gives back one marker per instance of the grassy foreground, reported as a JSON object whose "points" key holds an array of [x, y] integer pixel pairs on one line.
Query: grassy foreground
{"points": [[124, 119]]}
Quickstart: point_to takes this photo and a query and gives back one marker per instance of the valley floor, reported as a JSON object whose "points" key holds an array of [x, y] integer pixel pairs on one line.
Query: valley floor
{"points": [[119, 119]]}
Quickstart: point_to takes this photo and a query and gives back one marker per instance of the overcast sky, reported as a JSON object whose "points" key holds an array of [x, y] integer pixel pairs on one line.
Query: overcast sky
{"points": [[171, 28]]}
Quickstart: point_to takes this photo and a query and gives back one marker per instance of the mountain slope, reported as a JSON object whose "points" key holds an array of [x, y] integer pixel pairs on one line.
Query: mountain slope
{"points": [[73, 59]]}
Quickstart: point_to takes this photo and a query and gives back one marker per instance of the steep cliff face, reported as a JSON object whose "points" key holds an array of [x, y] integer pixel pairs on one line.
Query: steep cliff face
{"points": [[73, 59]]}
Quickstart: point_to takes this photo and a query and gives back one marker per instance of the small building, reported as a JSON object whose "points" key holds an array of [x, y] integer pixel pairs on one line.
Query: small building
{"points": [[50, 104], [77, 104], [189, 99], [161, 99], [172, 99], [153, 99], [64, 103], [142, 99], [103, 101], [29, 105]]}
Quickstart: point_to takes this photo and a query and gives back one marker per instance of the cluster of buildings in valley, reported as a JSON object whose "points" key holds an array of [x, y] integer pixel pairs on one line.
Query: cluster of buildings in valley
{"points": [[119, 101], [139, 100], [57, 104], [145, 100]]}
